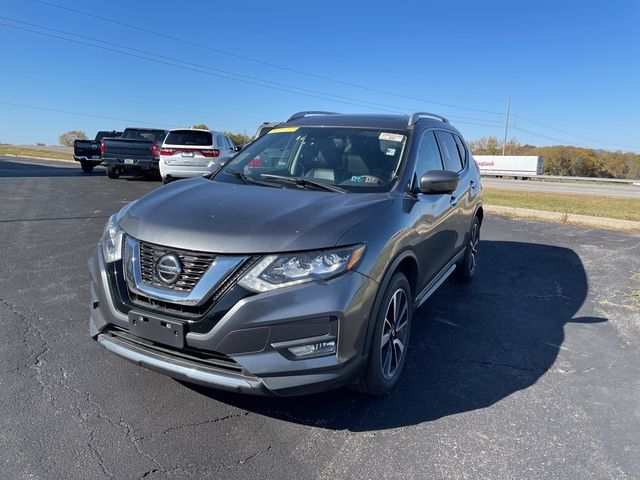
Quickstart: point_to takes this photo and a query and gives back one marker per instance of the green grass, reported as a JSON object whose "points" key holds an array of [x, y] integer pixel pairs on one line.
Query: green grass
{"points": [[595, 206], [34, 152]]}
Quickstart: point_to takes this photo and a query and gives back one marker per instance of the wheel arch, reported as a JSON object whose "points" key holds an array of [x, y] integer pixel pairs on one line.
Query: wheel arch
{"points": [[479, 213], [406, 262]]}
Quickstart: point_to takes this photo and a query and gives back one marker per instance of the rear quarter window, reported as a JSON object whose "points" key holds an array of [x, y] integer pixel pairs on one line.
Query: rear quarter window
{"points": [[189, 137]]}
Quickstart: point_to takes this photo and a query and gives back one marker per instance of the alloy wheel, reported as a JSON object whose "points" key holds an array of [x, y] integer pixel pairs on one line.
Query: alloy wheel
{"points": [[394, 333], [473, 245]]}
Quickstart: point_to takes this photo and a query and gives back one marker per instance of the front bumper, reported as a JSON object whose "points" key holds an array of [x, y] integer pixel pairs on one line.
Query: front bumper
{"points": [[251, 334]]}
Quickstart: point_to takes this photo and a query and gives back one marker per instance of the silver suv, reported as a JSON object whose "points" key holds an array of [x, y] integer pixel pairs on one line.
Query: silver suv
{"points": [[297, 266]]}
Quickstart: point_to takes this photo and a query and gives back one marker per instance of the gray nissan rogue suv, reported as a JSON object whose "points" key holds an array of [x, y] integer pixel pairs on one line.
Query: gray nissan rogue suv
{"points": [[297, 266]]}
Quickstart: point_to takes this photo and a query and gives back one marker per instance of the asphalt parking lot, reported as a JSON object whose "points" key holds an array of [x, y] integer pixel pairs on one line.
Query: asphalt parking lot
{"points": [[531, 371]]}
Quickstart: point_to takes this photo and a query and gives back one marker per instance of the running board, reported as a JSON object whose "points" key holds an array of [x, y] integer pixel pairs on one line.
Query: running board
{"points": [[439, 280]]}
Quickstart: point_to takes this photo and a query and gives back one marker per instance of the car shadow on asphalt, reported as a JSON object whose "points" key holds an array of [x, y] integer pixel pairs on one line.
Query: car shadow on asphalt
{"points": [[472, 344]]}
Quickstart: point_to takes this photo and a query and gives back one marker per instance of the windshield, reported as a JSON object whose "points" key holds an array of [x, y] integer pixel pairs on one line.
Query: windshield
{"points": [[355, 159]]}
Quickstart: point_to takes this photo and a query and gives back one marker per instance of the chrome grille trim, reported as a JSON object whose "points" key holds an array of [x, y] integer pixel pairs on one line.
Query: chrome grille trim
{"points": [[194, 265], [219, 269]]}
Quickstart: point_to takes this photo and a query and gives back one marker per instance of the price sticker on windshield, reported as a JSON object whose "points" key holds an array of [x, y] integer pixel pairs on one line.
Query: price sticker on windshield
{"points": [[393, 137]]}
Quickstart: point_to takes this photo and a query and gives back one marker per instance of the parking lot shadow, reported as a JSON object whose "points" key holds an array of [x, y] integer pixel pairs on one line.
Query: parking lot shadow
{"points": [[14, 169], [471, 345]]}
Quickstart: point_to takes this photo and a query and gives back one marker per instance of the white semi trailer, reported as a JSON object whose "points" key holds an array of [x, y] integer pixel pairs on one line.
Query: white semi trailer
{"points": [[519, 166]]}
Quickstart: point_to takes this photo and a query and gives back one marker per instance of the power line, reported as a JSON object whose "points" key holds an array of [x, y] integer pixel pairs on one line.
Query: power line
{"points": [[573, 134], [151, 56], [207, 67], [300, 72], [292, 41], [257, 61], [156, 60], [33, 107], [556, 139]]}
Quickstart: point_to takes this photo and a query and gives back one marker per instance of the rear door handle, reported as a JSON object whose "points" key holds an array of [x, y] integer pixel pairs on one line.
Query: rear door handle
{"points": [[472, 183], [453, 201]]}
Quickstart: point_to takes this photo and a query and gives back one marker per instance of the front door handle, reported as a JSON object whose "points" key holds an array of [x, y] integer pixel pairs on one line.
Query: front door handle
{"points": [[472, 183]]}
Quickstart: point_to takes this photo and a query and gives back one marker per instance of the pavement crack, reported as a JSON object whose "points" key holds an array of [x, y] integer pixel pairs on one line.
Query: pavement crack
{"points": [[253, 455], [505, 365], [580, 370], [204, 422], [32, 330], [149, 472]]}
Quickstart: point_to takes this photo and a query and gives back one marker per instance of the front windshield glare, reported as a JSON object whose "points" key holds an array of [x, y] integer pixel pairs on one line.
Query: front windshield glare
{"points": [[355, 159]]}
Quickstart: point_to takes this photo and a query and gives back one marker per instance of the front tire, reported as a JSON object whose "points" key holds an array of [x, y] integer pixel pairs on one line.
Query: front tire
{"points": [[388, 350], [113, 172], [466, 268], [87, 167]]}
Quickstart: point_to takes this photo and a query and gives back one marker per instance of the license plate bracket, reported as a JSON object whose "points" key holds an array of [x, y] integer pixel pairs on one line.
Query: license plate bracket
{"points": [[161, 330], [128, 161]]}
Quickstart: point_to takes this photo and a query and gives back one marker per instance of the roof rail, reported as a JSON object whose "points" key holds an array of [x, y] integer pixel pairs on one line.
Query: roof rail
{"points": [[413, 119], [310, 112]]}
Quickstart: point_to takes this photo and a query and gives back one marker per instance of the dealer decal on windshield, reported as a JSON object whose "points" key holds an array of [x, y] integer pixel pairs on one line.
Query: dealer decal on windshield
{"points": [[282, 130]]}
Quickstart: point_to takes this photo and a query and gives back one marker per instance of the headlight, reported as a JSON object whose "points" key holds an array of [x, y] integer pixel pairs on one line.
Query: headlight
{"points": [[111, 241], [275, 271]]}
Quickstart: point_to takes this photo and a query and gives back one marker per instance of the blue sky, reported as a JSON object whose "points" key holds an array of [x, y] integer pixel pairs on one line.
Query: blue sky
{"points": [[570, 65]]}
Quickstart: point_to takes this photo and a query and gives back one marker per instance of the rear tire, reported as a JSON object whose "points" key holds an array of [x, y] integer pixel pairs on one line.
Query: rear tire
{"points": [[388, 350], [466, 267], [166, 180], [113, 172], [87, 167]]}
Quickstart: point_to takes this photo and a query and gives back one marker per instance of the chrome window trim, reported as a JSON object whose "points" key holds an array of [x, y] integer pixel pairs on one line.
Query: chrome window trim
{"points": [[217, 272]]}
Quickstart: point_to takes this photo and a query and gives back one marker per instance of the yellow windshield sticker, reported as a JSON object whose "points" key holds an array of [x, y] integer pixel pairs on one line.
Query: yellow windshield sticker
{"points": [[283, 130]]}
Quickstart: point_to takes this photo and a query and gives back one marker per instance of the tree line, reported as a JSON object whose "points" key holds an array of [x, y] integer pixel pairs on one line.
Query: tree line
{"points": [[567, 160]]}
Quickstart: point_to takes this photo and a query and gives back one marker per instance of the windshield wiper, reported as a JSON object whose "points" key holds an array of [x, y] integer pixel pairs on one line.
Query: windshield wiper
{"points": [[247, 180], [305, 182]]}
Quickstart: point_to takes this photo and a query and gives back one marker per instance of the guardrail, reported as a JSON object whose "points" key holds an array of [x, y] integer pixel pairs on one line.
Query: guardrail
{"points": [[559, 178]]}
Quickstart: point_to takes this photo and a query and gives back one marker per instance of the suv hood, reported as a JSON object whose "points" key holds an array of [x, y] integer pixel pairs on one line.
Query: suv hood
{"points": [[205, 215]]}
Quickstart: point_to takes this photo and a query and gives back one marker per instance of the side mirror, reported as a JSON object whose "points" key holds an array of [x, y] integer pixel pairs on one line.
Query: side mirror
{"points": [[438, 182], [238, 148]]}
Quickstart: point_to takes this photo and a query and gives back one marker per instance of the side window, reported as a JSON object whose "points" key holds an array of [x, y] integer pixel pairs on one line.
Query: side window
{"points": [[229, 143], [219, 141], [461, 149], [450, 153], [428, 155]]}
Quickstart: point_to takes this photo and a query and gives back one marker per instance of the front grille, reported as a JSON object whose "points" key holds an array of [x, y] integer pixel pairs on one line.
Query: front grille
{"points": [[194, 311], [194, 264], [203, 358]]}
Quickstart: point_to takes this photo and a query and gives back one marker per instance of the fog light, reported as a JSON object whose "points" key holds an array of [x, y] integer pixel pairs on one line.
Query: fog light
{"points": [[314, 349]]}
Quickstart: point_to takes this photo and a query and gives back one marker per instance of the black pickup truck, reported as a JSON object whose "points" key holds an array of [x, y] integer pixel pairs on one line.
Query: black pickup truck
{"points": [[87, 152], [137, 150]]}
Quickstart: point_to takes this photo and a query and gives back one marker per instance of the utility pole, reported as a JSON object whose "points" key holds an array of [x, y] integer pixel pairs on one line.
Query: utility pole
{"points": [[506, 126]]}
